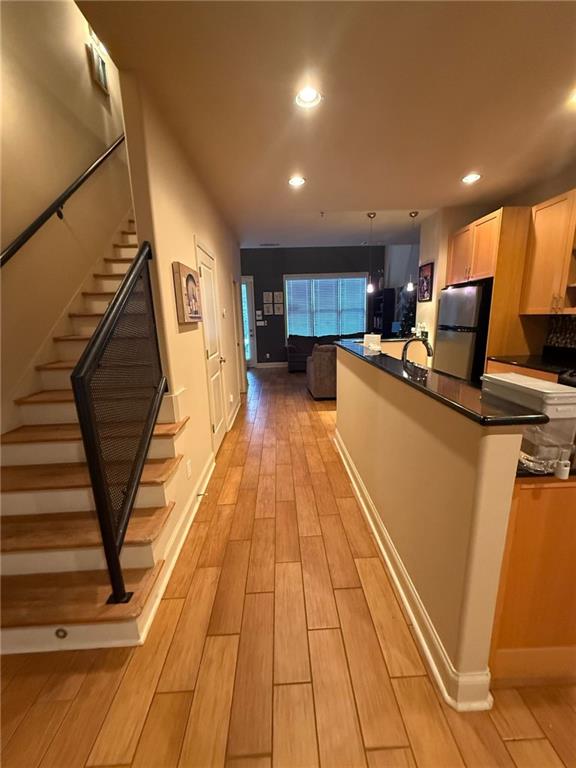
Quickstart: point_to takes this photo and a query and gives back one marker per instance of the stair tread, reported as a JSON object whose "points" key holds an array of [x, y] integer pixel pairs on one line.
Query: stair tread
{"points": [[73, 337], [79, 597], [109, 275], [127, 232], [48, 477], [64, 365], [47, 396], [99, 294], [57, 365], [85, 314], [66, 395], [125, 245], [76, 530], [88, 336], [119, 259], [62, 433]]}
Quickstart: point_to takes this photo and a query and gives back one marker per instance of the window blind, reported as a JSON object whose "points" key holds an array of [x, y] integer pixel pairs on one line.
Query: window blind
{"points": [[331, 305]]}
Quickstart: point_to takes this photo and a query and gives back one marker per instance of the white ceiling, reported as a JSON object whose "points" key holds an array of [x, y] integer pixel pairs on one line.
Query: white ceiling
{"points": [[416, 95]]}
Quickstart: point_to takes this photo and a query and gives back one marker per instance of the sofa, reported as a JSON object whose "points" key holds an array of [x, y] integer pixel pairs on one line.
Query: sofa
{"points": [[321, 372], [298, 348]]}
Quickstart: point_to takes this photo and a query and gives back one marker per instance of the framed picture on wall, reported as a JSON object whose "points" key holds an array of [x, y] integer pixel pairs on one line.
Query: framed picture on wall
{"points": [[268, 309], [187, 291], [98, 67], [425, 281]]}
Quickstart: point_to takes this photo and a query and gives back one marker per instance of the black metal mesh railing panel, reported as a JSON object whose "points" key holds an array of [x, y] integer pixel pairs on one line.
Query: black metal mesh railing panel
{"points": [[118, 385]]}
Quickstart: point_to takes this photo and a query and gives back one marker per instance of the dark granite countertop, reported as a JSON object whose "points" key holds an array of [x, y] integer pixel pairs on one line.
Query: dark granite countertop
{"points": [[536, 362], [456, 394]]}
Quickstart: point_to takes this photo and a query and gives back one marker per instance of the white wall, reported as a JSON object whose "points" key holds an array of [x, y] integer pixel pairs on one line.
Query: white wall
{"points": [[55, 119], [401, 264], [173, 211], [55, 123]]}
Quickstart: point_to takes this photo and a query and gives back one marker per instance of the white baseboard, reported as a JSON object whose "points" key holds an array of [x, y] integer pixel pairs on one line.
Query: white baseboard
{"points": [[270, 365], [119, 633], [175, 547], [232, 417], [462, 691]]}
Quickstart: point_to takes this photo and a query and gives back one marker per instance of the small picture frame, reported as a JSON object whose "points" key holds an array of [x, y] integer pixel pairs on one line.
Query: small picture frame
{"points": [[278, 297], [278, 309], [98, 67], [425, 281], [187, 292], [268, 309], [267, 297], [258, 314]]}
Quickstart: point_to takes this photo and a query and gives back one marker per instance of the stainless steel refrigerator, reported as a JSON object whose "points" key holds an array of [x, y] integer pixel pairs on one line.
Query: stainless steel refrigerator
{"points": [[461, 330]]}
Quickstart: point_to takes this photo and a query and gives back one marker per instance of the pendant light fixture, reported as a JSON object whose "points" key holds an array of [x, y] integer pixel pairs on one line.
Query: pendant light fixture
{"points": [[370, 287], [410, 284]]}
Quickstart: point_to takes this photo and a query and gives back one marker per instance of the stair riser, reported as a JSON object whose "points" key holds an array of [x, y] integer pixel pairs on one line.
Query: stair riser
{"points": [[130, 238], [122, 253], [71, 560], [85, 326], [116, 268], [95, 304], [56, 379], [70, 350], [71, 452], [92, 558], [107, 283], [72, 499], [65, 413]]}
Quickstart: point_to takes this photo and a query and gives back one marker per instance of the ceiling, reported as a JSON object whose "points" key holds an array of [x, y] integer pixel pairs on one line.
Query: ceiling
{"points": [[416, 95]]}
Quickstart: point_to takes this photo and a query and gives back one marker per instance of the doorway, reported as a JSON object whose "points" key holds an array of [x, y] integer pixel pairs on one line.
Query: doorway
{"points": [[248, 323], [214, 359]]}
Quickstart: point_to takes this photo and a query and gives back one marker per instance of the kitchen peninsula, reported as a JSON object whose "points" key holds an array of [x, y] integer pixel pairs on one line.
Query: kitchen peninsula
{"points": [[434, 466]]}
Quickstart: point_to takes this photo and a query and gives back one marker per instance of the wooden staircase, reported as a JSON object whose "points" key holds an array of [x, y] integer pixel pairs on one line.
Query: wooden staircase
{"points": [[54, 578]]}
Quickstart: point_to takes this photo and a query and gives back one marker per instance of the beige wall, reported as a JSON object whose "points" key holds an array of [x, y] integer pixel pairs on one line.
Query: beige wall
{"points": [[441, 485], [174, 212], [55, 119], [55, 122]]}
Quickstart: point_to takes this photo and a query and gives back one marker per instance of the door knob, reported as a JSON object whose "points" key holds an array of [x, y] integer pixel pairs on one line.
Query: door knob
{"points": [[222, 359]]}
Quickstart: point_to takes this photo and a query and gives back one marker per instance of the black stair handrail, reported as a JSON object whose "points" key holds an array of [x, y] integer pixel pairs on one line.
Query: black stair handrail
{"points": [[94, 360], [56, 206]]}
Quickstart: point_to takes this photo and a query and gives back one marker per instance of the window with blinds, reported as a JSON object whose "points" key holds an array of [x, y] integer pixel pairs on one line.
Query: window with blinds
{"points": [[325, 305]]}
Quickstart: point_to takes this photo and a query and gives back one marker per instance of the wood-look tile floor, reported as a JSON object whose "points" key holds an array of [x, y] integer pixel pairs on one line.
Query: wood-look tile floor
{"points": [[279, 642]]}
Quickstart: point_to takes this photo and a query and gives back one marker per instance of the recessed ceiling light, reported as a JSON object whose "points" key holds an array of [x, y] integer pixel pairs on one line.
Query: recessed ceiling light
{"points": [[471, 178], [297, 181], [572, 99], [308, 97]]}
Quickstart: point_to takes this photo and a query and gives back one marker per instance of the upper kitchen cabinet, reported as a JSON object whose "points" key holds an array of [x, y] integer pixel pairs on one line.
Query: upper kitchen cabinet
{"points": [[460, 256], [473, 250], [550, 276], [485, 241]]}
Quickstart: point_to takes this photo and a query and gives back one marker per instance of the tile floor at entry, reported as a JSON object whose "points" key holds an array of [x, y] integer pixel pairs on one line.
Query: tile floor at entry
{"points": [[279, 641]]}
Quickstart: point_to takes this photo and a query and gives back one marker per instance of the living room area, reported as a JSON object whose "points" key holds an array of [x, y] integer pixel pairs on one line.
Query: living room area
{"points": [[297, 301]]}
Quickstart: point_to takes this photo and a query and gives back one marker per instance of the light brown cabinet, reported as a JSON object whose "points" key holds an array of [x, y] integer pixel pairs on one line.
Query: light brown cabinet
{"points": [[534, 635], [485, 240], [460, 256], [495, 246], [550, 277], [473, 250]]}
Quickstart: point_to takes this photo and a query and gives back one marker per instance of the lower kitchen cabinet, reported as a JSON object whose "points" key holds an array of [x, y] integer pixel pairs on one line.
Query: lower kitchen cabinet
{"points": [[534, 635]]}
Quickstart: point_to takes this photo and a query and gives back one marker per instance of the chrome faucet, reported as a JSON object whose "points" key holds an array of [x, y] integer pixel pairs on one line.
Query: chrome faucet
{"points": [[414, 370]]}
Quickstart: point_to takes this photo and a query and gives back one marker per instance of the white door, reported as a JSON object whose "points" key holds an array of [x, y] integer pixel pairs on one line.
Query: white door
{"points": [[214, 359], [250, 352]]}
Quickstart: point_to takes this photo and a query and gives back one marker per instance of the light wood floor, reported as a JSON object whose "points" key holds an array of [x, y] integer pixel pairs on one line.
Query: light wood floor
{"points": [[279, 642]]}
